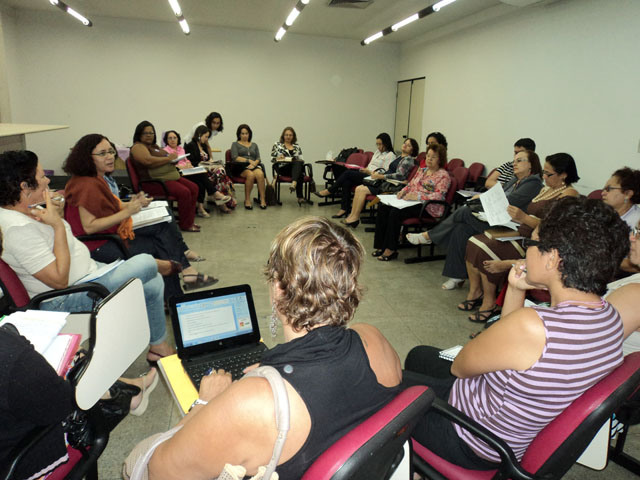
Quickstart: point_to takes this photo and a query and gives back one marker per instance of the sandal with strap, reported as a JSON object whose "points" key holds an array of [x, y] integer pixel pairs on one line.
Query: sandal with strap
{"points": [[202, 281], [470, 305], [481, 316]]}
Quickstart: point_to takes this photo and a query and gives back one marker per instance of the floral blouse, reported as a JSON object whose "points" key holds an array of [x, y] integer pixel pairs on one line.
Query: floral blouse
{"points": [[429, 187]]}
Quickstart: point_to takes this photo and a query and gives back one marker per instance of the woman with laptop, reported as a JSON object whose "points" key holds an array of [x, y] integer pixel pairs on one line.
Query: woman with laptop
{"points": [[335, 376]]}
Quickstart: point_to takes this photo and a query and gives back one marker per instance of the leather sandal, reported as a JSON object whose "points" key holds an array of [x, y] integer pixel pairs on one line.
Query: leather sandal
{"points": [[202, 281], [481, 316], [469, 305]]}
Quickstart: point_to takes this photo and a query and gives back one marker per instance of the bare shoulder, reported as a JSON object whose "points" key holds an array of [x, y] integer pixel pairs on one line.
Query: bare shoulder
{"points": [[383, 358], [625, 300], [570, 192]]}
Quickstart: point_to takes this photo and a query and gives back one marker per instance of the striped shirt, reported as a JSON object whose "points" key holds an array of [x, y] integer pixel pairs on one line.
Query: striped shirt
{"points": [[582, 346]]}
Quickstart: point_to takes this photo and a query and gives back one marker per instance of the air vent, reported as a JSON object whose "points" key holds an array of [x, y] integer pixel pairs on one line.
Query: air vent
{"points": [[350, 3]]}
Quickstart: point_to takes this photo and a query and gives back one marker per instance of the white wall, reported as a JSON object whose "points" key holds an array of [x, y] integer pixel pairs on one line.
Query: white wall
{"points": [[107, 78], [566, 74]]}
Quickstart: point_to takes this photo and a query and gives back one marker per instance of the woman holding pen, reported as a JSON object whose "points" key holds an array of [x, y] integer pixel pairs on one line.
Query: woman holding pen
{"points": [[93, 207]]}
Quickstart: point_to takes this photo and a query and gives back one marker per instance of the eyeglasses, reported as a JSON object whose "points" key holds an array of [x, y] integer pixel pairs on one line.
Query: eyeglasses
{"points": [[608, 188], [548, 174], [104, 153], [528, 242]]}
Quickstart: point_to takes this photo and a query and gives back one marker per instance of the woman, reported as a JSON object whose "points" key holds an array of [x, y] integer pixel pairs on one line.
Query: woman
{"points": [[435, 138], [40, 247], [622, 192], [287, 157], [398, 171], [246, 158], [454, 232], [199, 151], [381, 160], [488, 260], [92, 207], [430, 183], [154, 163], [213, 121], [354, 371], [532, 355]]}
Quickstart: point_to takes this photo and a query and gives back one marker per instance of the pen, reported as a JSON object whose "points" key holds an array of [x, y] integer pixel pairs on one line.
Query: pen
{"points": [[39, 206]]}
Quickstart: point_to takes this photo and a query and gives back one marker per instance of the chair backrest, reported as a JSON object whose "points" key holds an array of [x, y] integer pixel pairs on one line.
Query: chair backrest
{"points": [[461, 174], [119, 333], [421, 159], [454, 163], [451, 193], [374, 448], [475, 171], [227, 156], [15, 295], [412, 173], [134, 177], [369, 156], [596, 194], [358, 159]]}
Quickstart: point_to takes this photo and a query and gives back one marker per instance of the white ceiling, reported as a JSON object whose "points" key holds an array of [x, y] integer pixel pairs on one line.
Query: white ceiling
{"points": [[268, 15]]}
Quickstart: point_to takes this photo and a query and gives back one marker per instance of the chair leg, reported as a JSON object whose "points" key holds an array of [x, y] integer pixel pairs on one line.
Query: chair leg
{"points": [[617, 455]]}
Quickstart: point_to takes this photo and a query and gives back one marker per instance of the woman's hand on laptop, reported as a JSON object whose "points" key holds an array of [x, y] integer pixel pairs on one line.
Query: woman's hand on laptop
{"points": [[214, 384]]}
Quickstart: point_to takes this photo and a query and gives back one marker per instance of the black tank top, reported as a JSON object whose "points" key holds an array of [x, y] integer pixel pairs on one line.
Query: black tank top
{"points": [[330, 370]]}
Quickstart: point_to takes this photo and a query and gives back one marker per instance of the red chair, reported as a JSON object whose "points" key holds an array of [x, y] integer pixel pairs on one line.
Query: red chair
{"points": [[556, 448], [371, 218], [461, 174], [369, 156], [476, 169], [94, 240], [229, 169], [421, 159], [375, 448], [155, 188], [355, 161], [596, 194], [454, 163], [307, 179]]}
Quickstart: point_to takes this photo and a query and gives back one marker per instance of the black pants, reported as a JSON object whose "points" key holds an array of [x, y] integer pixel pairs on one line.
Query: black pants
{"points": [[435, 432], [389, 223], [345, 182], [205, 185], [295, 170]]}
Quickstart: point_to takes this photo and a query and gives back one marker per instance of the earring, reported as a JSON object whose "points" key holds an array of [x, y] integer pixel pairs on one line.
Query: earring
{"points": [[273, 323]]}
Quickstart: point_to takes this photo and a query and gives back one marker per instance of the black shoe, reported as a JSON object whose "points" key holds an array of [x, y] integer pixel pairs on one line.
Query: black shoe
{"points": [[317, 194], [248, 207], [377, 253], [263, 207], [388, 258], [351, 224], [342, 215], [292, 189]]}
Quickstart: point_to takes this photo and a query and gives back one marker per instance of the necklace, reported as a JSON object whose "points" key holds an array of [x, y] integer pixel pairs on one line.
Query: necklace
{"points": [[548, 193]]}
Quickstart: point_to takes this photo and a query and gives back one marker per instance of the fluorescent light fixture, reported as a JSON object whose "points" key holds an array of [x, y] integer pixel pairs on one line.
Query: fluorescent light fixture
{"points": [[54, 2], [292, 16], [404, 22], [305, 2], [76, 15], [175, 6], [184, 26], [280, 34], [373, 38], [441, 4], [66, 8]]}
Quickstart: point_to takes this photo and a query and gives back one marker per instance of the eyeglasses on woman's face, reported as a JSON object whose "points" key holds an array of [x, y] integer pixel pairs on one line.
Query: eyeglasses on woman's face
{"points": [[529, 242], [608, 188], [548, 174], [104, 153]]}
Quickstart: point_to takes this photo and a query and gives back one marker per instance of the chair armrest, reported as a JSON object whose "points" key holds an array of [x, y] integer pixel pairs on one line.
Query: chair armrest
{"points": [[309, 170], [95, 291], [111, 237], [16, 454], [509, 467]]}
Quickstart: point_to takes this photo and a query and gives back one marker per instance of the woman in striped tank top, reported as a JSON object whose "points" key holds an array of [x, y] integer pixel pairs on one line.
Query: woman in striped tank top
{"points": [[526, 369]]}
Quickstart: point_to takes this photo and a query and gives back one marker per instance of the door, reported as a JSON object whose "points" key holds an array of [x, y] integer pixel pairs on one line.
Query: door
{"points": [[409, 109]]}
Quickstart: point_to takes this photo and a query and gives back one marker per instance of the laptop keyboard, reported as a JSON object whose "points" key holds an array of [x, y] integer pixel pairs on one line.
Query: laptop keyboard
{"points": [[233, 364]]}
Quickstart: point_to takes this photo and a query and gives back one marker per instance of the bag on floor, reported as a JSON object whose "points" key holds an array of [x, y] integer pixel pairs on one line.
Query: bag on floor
{"points": [[270, 194]]}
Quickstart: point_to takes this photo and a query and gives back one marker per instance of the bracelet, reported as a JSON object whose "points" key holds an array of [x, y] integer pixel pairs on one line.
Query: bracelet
{"points": [[198, 401]]}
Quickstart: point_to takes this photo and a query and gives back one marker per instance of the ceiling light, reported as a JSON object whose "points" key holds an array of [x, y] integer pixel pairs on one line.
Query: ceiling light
{"points": [[292, 16], [184, 26], [373, 38], [175, 6], [290, 19], [305, 1], [404, 22], [442, 3], [66, 8], [280, 34]]}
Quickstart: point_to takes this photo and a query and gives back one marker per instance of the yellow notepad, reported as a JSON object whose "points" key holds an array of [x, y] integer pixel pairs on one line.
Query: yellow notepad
{"points": [[180, 385]]}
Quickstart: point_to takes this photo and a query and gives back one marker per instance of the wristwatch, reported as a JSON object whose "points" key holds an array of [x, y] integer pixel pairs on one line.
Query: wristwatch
{"points": [[198, 401]]}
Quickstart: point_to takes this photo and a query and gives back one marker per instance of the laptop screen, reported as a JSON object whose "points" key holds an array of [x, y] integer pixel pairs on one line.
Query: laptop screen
{"points": [[210, 319]]}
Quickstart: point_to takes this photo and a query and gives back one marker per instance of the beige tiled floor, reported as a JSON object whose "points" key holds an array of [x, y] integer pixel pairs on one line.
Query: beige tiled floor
{"points": [[404, 301]]}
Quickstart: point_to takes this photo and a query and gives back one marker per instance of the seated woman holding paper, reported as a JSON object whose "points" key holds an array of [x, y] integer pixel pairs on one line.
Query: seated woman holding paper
{"points": [[505, 378], [154, 163], [286, 154], [335, 376], [430, 183], [92, 207], [379, 163], [398, 172], [454, 232], [40, 247], [245, 156], [489, 260]]}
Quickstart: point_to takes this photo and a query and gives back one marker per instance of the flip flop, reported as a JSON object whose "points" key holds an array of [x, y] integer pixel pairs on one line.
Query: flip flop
{"points": [[470, 305], [146, 392], [200, 282]]}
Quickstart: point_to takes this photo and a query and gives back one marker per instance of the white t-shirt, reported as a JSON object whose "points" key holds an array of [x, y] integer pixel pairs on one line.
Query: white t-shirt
{"points": [[28, 248], [632, 217], [381, 160], [632, 343]]}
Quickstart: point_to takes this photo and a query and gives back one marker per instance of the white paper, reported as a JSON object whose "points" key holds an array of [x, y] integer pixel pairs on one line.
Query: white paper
{"points": [[193, 171], [56, 350], [396, 202], [156, 204], [495, 204], [508, 239], [180, 158], [104, 269], [450, 353], [150, 216], [467, 193], [40, 327]]}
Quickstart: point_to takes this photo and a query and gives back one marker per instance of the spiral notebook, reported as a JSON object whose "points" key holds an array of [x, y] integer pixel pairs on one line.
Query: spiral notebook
{"points": [[450, 353]]}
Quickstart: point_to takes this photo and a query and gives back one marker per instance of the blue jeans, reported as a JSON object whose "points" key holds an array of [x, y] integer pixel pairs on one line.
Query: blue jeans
{"points": [[141, 266]]}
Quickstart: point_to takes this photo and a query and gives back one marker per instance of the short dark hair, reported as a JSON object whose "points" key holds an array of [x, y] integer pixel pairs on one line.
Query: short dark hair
{"points": [[564, 163], [386, 142], [239, 129], [629, 180], [166, 134], [442, 140], [200, 130], [140, 128], [441, 151], [295, 137], [591, 240], [16, 166], [210, 118], [534, 160], [526, 143], [415, 148], [79, 161]]}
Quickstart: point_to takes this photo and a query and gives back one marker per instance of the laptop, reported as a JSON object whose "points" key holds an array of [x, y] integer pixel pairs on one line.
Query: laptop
{"points": [[216, 329]]}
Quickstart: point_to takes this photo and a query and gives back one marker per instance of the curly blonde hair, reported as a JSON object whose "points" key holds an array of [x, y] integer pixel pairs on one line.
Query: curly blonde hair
{"points": [[316, 264]]}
